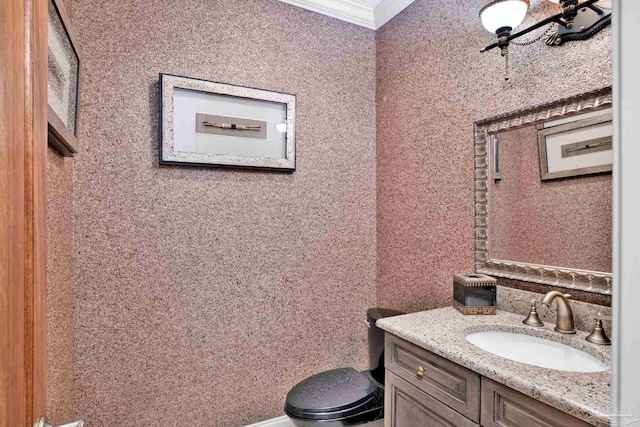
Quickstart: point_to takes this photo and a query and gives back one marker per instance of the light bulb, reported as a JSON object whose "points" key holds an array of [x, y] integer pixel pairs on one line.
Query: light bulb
{"points": [[503, 14]]}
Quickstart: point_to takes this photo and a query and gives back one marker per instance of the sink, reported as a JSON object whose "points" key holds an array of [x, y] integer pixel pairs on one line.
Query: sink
{"points": [[536, 351]]}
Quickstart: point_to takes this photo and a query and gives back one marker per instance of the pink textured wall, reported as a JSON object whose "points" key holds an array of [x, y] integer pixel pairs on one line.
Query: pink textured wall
{"points": [[203, 295], [61, 402], [565, 222], [432, 84]]}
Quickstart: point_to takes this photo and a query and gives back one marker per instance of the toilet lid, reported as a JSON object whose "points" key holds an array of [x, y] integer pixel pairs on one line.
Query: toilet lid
{"points": [[334, 394]]}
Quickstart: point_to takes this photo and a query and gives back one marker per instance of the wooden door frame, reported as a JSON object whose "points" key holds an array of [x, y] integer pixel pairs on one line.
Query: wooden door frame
{"points": [[23, 151]]}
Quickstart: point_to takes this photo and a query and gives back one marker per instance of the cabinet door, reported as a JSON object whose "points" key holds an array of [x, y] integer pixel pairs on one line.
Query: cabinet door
{"points": [[504, 407], [408, 406], [453, 385]]}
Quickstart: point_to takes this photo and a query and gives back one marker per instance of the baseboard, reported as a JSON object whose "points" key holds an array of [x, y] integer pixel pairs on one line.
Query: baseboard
{"points": [[282, 421]]}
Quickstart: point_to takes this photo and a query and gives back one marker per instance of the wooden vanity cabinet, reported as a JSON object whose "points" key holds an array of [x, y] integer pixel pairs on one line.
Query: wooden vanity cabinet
{"points": [[423, 389]]}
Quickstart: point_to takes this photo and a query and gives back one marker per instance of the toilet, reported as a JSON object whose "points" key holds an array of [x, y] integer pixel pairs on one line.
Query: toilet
{"points": [[344, 396]]}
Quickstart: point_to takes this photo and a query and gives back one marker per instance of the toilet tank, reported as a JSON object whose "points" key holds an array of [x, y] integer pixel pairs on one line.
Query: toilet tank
{"points": [[376, 341]]}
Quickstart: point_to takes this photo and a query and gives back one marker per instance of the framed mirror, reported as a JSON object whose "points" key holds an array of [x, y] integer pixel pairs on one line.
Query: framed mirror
{"points": [[543, 193]]}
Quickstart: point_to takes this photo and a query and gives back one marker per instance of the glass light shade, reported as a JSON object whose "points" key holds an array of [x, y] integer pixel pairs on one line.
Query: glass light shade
{"points": [[503, 13]]}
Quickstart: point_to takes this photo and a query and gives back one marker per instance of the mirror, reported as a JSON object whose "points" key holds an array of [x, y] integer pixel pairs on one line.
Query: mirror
{"points": [[544, 193]]}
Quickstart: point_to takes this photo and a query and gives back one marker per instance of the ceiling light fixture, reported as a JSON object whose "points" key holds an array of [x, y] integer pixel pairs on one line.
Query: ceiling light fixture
{"points": [[502, 16], [577, 21]]}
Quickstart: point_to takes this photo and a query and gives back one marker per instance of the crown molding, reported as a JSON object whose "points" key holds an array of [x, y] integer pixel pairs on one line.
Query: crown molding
{"points": [[354, 12], [340, 9], [386, 10]]}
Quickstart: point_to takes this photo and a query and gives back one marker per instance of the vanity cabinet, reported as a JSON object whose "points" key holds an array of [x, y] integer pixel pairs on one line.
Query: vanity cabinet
{"points": [[423, 389]]}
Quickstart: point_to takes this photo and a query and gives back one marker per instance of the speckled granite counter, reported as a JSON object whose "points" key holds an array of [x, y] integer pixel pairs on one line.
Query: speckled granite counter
{"points": [[443, 331]]}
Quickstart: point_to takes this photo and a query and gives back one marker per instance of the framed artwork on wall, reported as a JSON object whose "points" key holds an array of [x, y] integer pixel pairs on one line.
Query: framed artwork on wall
{"points": [[205, 123], [574, 148], [63, 88]]}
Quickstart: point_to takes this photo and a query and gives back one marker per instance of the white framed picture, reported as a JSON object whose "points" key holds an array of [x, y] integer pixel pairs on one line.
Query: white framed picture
{"points": [[207, 123]]}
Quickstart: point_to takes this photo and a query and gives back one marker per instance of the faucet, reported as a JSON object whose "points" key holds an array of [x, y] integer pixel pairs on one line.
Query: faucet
{"points": [[564, 322]]}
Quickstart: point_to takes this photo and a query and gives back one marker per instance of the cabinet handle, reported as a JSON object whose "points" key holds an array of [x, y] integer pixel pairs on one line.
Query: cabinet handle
{"points": [[420, 371]]}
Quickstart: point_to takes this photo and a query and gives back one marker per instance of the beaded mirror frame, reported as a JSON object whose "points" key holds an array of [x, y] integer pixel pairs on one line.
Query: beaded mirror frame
{"points": [[584, 280]]}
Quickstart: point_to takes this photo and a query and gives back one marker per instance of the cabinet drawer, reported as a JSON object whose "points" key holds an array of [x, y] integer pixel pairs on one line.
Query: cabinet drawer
{"points": [[451, 384], [407, 406], [504, 407]]}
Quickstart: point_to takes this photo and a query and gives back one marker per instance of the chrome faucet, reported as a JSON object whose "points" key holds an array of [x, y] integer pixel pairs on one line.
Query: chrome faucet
{"points": [[564, 322]]}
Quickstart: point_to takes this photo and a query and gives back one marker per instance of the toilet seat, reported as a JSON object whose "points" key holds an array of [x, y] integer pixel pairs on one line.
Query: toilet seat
{"points": [[337, 394]]}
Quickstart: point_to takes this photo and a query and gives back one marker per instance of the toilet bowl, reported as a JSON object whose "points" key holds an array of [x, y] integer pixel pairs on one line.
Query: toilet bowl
{"points": [[344, 396]]}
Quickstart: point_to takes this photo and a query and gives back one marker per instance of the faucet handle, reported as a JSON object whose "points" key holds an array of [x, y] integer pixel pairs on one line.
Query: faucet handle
{"points": [[598, 335], [532, 319], [531, 301]]}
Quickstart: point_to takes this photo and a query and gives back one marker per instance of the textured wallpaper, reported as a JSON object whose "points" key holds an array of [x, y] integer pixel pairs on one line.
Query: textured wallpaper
{"points": [[432, 84], [61, 402], [203, 295]]}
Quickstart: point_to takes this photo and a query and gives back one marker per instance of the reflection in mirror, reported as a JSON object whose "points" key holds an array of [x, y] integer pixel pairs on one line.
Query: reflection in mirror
{"points": [[551, 200]]}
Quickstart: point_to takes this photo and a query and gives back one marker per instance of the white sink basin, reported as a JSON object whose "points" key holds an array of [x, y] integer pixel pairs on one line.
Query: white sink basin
{"points": [[536, 351]]}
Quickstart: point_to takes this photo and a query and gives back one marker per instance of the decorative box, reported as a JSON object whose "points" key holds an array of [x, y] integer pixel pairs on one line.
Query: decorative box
{"points": [[474, 293]]}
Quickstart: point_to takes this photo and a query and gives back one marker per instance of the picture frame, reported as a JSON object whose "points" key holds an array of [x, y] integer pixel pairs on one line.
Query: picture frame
{"points": [[212, 124], [576, 148], [63, 91]]}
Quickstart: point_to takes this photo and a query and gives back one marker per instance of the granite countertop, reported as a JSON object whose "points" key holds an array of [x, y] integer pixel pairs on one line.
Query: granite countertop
{"points": [[584, 395]]}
